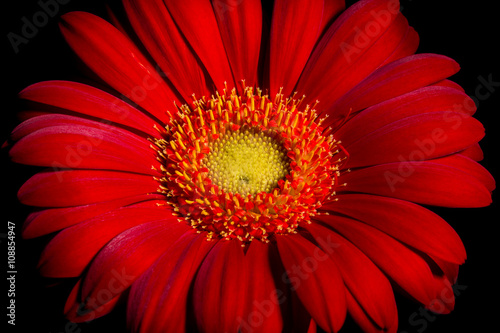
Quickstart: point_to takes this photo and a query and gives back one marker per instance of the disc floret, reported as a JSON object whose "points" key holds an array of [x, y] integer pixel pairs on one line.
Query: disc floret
{"points": [[247, 167], [247, 162]]}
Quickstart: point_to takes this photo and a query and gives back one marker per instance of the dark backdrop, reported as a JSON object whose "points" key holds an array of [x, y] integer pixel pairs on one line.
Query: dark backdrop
{"points": [[467, 33]]}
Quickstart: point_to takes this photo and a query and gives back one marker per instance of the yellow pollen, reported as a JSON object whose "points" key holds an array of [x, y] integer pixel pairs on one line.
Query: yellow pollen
{"points": [[247, 162]]}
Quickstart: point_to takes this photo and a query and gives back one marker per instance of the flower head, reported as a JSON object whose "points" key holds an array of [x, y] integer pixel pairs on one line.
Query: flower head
{"points": [[251, 173], [245, 167]]}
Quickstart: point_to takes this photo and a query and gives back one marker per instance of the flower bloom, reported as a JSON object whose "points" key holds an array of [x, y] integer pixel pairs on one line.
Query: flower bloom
{"points": [[251, 171]]}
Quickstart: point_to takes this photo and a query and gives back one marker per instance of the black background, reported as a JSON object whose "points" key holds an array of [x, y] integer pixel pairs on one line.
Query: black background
{"points": [[468, 33]]}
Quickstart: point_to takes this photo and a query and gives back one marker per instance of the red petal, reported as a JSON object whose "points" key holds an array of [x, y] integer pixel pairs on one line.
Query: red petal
{"points": [[236, 291], [451, 84], [74, 311], [89, 101], [220, 289], [395, 79], [264, 296], [82, 187], [85, 147], [158, 32], [453, 181], [362, 319], [126, 257], [416, 138], [421, 101], [294, 31], [444, 299], [370, 288], [352, 48], [240, 26], [71, 250], [407, 46], [312, 327], [158, 301], [331, 9], [196, 21], [295, 317], [409, 223], [473, 152], [472, 168], [315, 279], [144, 293], [47, 120], [397, 261], [117, 61], [372, 56], [50, 220], [449, 269]]}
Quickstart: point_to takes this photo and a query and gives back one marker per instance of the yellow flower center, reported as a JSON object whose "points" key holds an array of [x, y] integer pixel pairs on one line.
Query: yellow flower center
{"points": [[247, 162]]}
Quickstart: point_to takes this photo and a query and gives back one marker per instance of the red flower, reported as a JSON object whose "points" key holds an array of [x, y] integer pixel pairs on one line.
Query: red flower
{"points": [[241, 207]]}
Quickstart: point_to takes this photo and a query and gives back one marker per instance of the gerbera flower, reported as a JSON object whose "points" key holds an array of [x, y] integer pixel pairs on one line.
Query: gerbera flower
{"points": [[251, 177]]}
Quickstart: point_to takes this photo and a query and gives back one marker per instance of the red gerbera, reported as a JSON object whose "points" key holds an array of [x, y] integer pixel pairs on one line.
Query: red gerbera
{"points": [[218, 195]]}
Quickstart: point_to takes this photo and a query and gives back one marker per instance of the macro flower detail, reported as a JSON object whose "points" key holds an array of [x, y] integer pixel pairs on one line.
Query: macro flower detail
{"points": [[245, 168], [240, 170]]}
